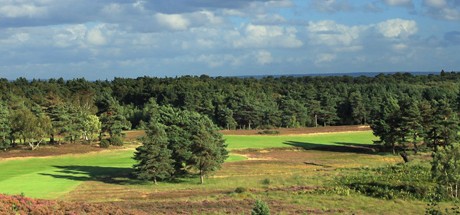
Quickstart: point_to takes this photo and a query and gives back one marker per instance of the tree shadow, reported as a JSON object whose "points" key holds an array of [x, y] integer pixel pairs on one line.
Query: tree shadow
{"points": [[339, 147], [110, 175]]}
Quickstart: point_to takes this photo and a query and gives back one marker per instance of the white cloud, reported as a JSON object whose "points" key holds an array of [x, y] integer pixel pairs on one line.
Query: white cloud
{"points": [[96, 37], [399, 47], [397, 28], [264, 57], [22, 10], [324, 58], [443, 9], [328, 32], [398, 2], [263, 36], [214, 60], [436, 3], [70, 35], [331, 6], [172, 21]]}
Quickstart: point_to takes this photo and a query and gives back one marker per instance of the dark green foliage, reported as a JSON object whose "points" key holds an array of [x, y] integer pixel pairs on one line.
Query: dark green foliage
{"points": [[105, 143], [193, 141], [441, 125], [260, 208], [445, 170], [398, 181], [240, 190], [153, 157], [433, 208], [266, 181], [231, 103], [208, 149], [116, 141], [5, 128]]}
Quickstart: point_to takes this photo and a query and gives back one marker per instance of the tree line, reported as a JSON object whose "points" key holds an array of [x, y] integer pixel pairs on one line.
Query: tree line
{"points": [[81, 110]]}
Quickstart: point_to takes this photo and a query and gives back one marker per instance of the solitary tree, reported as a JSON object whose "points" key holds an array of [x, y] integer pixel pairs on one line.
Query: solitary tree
{"points": [[209, 151], [153, 156]]}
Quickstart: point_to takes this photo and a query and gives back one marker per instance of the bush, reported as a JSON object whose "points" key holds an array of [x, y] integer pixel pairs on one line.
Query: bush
{"points": [[104, 143], [4, 145], [260, 208], [398, 181], [272, 132], [240, 190], [116, 141], [266, 181]]}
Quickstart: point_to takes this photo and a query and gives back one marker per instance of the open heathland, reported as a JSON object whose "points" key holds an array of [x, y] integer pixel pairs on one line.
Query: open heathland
{"points": [[293, 173]]}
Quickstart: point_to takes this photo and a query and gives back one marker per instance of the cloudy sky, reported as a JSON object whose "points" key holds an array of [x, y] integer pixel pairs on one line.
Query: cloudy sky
{"points": [[102, 39]]}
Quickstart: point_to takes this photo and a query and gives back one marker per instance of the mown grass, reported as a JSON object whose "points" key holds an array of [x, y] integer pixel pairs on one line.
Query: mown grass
{"points": [[52, 177], [47, 177], [306, 141]]}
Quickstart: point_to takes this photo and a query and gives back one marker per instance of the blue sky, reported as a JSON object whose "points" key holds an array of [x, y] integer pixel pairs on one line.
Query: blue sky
{"points": [[129, 38]]}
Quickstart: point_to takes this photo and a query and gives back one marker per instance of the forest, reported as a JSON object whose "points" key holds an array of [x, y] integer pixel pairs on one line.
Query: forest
{"points": [[81, 110]]}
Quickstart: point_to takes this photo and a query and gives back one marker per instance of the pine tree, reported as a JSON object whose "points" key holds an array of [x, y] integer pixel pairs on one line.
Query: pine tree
{"points": [[153, 156], [209, 151], [442, 125]]}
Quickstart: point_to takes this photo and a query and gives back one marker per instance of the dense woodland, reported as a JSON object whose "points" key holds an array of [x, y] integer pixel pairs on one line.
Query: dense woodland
{"points": [[76, 110]]}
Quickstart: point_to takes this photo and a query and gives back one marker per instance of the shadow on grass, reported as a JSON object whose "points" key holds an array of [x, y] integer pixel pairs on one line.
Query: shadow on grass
{"points": [[110, 175], [338, 147]]}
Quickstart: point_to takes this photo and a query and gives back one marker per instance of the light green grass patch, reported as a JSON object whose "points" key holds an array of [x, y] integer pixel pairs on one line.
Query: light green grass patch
{"points": [[54, 176], [306, 141], [235, 158]]}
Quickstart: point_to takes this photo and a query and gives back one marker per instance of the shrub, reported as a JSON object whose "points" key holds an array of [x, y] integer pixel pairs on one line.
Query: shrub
{"points": [[240, 190], [398, 181], [4, 145], [104, 143], [260, 208], [116, 141], [271, 132], [266, 181]]}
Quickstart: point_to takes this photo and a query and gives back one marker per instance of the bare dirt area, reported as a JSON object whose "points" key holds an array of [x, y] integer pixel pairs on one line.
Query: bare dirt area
{"points": [[51, 150], [133, 136], [299, 131]]}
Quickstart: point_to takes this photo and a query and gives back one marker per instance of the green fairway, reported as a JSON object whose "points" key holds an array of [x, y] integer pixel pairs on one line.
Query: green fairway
{"points": [[54, 176], [306, 141]]}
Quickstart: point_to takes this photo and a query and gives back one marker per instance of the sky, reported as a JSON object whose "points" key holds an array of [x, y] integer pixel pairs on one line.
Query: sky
{"points": [[103, 39]]}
